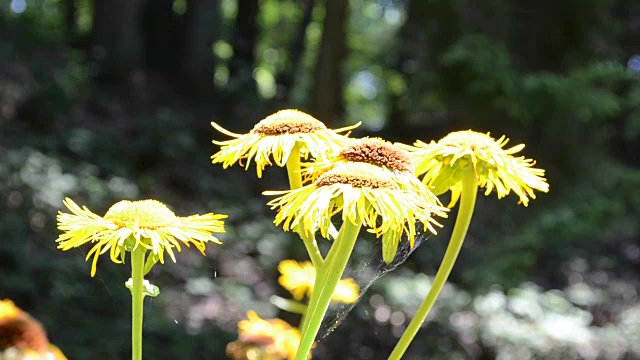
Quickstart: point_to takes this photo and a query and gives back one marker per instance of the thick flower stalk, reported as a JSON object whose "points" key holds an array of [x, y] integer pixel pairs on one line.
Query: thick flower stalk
{"points": [[365, 195], [136, 227], [463, 162], [260, 339], [22, 337]]}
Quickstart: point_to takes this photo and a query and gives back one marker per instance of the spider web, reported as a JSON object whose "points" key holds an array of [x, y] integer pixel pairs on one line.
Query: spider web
{"points": [[368, 270]]}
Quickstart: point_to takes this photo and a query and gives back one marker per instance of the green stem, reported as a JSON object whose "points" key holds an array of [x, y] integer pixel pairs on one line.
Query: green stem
{"points": [[291, 306], [467, 204], [137, 297], [295, 182], [293, 168], [152, 259], [327, 277]]}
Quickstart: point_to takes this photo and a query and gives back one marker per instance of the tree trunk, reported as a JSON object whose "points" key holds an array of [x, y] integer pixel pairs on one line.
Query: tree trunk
{"points": [[286, 78], [116, 38], [197, 63], [431, 27], [244, 39], [162, 30], [409, 42], [70, 18], [326, 100]]}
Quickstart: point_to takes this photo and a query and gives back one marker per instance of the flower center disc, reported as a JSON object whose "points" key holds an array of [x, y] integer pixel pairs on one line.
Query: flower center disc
{"points": [[145, 214], [288, 122], [470, 140], [377, 152], [358, 175]]}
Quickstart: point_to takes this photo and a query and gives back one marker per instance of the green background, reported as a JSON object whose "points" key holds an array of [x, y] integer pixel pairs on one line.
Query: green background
{"points": [[103, 100]]}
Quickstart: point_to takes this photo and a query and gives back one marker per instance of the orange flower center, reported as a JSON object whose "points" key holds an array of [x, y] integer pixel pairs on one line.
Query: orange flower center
{"points": [[358, 175], [377, 152], [288, 122], [19, 330]]}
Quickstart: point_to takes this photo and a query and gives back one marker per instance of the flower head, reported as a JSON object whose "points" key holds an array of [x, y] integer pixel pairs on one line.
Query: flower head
{"points": [[260, 339], [299, 277], [275, 137], [363, 193], [442, 164], [128, 224], [377, 152], [23, 337]]}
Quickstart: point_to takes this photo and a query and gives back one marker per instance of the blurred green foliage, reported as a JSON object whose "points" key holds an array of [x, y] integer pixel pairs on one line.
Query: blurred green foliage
{"points": [[558, 280]]}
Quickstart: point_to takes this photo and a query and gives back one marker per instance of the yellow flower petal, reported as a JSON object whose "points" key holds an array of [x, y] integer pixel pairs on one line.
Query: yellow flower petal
{"points": [[23, 337], [268, 339], [299, 277], [347, 291], [129, 224], [275, 137], [360, 191], [442, 163]]}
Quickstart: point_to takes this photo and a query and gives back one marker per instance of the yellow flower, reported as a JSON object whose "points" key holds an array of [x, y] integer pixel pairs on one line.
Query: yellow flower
{"points": [[8, 309], [260, 339], [362, 192], [377, 152], [299, 277], [276, 136], [128, 224], [22, 337], [347, 291], [442, 164]]}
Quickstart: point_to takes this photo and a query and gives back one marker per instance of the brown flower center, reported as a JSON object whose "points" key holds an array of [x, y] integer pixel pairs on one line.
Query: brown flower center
{"points": [[20, 331], [377, 152], [288, 122], [358, 175], [145, 214]]}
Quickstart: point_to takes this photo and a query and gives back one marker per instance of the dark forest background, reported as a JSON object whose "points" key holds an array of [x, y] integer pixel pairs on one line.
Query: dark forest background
{"points": [[103, 100]]}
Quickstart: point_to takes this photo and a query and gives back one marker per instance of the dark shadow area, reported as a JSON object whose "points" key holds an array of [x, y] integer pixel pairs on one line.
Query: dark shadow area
{"points": [[104, 100]]}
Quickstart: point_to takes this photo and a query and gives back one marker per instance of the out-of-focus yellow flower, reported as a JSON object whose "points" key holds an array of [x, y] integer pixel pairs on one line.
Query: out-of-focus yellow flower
{"points": [[442, 164], [276, 136], [23, 337], [128, 224], [346, 292], [299, 277], [260, 339], [362, 192]]}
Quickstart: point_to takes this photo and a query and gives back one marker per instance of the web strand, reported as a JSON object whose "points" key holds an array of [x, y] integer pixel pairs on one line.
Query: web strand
{"points": [[371, 268]]}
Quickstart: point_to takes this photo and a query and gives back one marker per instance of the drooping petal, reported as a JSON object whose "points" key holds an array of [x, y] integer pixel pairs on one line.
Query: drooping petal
{"points": [[441, 165], [146, 223]]}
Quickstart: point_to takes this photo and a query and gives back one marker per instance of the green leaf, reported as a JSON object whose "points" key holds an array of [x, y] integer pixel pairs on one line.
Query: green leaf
{"points": [[389, 246], [148, 289]]}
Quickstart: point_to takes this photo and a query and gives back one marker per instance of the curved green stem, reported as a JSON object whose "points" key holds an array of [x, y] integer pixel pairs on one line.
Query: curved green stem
{"points": [[152, 259], [293, 168], [327, 278], [467, 204], [289, 305], [137, 297], [295, 182]]}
